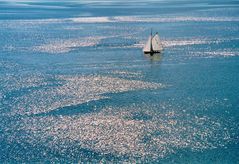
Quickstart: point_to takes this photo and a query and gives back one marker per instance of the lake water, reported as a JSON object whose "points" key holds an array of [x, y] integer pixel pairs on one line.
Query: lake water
{"points": [[76, 87]]}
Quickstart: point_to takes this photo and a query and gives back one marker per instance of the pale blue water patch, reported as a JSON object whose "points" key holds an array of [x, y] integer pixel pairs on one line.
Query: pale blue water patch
{"points": [[76, 87]]}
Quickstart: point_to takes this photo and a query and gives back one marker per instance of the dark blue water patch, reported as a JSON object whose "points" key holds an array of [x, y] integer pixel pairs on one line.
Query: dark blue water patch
{"points": [[89, 107], [26, 90], [185, 79], [116, 43], [139, 115]]}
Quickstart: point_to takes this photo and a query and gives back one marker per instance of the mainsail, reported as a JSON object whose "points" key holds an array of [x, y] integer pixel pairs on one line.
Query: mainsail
{"points": [[153, 44], [156, 44], [148, 45]]}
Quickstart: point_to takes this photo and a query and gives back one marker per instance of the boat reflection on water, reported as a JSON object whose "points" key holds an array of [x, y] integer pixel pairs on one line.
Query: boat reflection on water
{"points": [[156, 57]]}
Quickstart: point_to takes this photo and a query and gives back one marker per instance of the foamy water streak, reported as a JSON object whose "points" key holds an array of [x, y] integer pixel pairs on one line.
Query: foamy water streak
{"points": [[186, 42], [223, 53], [173, 43], [92, 19], [118, 19], [151, 19], [218, 53], [72, 91], [63, 46]]}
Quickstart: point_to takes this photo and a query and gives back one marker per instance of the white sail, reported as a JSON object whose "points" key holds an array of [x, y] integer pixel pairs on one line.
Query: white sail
{"points": [[147, 45], [156, 43]]}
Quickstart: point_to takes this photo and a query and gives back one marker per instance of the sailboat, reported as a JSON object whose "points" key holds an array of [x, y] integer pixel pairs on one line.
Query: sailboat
{"points": [[153, 45]]}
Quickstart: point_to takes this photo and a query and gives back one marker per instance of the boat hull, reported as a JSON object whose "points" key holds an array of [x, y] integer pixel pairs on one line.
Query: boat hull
{"points": [[152, 52]]}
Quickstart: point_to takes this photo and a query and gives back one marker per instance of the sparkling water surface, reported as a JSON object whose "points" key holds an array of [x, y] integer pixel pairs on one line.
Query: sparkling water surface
{"points": [[76, 87]]}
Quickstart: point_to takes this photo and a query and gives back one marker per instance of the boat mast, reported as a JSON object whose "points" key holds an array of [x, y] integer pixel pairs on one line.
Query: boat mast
{"points": [[151, 38]]}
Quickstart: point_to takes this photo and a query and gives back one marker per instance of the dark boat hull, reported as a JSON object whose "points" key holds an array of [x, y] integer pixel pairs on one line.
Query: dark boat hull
{"points": [[152, 52]]}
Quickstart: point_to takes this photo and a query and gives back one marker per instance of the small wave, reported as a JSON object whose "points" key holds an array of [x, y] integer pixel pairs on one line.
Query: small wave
{"points": [[172, 43], [127, 74], [223, 53]]}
